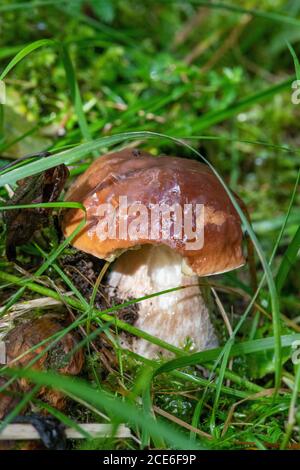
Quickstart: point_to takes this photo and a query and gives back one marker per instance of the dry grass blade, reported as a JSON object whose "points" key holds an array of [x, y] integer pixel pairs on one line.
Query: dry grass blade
{"points": [[180, 422], [264, 393]]}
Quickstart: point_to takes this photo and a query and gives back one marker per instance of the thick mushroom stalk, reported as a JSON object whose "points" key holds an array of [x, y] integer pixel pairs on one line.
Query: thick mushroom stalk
{"points": [[180, 318]]}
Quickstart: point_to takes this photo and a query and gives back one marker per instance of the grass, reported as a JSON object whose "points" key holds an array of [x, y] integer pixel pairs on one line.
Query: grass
{"points": [[112, 85]]}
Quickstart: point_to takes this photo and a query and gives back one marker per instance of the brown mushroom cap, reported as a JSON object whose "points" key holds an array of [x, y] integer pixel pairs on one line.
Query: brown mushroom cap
{"points": [[152, 180]]}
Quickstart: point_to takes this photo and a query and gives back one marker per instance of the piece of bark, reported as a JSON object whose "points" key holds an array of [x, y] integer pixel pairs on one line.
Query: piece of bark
{"points": [[21, 224], [8, 397], [58, 358]]}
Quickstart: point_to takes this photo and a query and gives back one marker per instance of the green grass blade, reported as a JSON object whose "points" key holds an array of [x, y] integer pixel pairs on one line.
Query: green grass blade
{"points": [[292, 409], [27, 5], [24, 52], [245, 347], [267, 15], [219, 115], [226, 355], [295, 59], [118, 408], [75, 93], [288, 261]]}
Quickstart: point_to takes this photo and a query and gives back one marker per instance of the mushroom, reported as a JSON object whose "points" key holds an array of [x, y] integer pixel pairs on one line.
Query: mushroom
{"points": [[157, 253]]}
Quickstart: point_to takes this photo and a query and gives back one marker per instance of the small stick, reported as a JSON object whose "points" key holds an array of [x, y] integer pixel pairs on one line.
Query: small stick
{"points": [[26, 432]]}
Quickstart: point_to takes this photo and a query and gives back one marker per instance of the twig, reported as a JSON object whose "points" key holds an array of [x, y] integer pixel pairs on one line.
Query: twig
{"points": [[190, 27], [17, 432], [202, 47], [228, 44]]}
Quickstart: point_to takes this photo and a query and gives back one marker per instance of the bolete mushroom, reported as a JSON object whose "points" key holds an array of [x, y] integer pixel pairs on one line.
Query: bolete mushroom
{"points": [[166, 198]]}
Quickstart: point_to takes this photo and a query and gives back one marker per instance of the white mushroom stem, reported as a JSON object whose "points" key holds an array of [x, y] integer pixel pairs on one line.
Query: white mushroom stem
{"points": [[180, 318]]}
